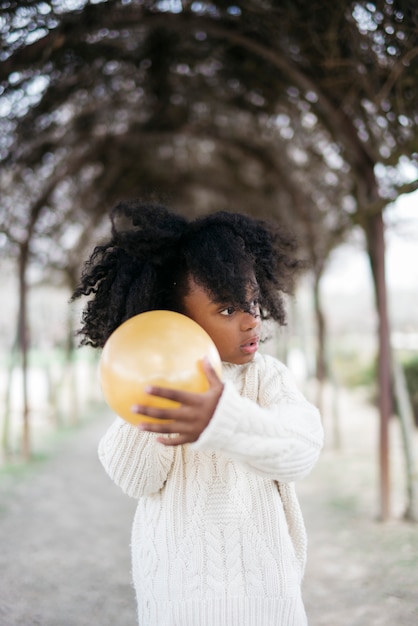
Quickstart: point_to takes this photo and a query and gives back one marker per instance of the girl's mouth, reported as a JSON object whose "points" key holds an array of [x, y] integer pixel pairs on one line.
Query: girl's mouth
{"points": [[251, 346]]}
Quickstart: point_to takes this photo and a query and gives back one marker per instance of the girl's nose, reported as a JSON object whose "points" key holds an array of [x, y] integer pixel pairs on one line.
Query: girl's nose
{"points": [[250, 319]]}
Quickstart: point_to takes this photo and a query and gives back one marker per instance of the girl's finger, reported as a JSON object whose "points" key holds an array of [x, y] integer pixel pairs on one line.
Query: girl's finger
{"points": [[182, 397], [168, 415], [175, 441], [210, 372], [156, 427]]}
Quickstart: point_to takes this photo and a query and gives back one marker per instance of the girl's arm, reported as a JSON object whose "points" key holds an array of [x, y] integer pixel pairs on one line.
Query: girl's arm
{"points": [[134, 460], [279, 437]]}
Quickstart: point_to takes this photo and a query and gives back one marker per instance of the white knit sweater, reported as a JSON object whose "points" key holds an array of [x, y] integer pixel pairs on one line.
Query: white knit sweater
{"points": [[218, 537]]}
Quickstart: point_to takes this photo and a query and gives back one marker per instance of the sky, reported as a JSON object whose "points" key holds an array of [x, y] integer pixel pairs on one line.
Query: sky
{"points": [[349, 269]]}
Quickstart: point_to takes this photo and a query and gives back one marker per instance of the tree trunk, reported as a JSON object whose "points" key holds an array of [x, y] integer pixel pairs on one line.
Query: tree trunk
{"points": [[374, 229], [406, 417], [23, 347], [70, 366], [321, 365], [5, 436], [324, 371]]}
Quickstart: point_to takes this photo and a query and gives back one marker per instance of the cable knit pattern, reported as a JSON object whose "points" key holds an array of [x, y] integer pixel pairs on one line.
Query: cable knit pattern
{"points": [[218, 537]]}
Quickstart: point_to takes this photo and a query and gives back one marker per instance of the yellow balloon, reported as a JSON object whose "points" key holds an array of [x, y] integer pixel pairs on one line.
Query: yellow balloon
{"points": [[160, 348]]}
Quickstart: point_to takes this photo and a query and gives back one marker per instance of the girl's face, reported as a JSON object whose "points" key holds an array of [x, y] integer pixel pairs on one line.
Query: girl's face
{"points": [[236, 333]]}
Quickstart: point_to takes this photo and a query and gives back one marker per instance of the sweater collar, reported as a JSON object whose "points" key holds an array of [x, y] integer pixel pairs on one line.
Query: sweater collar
{"points": [[234, 369]]}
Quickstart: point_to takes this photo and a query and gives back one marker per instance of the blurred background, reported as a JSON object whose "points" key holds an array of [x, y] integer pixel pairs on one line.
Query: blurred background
{"points": [[301, 112]]}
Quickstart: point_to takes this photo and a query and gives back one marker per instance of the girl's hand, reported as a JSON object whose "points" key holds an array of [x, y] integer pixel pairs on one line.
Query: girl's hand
{"points": [[188, 420]]}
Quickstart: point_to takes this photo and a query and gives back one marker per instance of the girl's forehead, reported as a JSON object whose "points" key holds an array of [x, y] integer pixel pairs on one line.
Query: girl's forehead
{"points": [[251, 286]]}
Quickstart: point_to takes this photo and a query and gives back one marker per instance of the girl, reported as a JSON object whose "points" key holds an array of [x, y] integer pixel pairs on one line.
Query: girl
{"points": [[218, 537]]}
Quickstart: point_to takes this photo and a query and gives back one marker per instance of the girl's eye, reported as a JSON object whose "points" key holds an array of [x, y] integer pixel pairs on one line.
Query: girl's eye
{"points": [[228, 311]]}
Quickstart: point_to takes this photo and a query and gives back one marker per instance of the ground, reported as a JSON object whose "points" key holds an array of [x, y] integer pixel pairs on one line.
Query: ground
{"points": [[64, 529]]}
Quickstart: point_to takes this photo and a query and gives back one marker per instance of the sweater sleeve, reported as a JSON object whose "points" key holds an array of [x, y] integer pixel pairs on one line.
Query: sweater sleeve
{"points": [[134, 460], [279, 436]]}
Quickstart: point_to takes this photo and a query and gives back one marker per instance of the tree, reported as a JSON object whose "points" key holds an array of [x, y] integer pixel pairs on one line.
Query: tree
{"points": [[289, 104]]}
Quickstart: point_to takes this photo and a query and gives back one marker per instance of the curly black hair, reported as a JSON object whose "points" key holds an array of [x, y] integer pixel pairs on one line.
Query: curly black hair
{"points": [[152, 253]]}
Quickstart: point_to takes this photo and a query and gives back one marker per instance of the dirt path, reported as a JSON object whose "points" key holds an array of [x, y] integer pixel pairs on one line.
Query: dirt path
{"points": [[65, 530], [360, 571]]}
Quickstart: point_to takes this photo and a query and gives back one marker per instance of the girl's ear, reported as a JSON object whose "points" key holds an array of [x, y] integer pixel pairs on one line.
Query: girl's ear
{"points": [[176, 288]]}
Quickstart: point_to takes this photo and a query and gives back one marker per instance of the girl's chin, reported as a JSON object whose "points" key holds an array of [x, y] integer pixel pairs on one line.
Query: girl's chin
{"points": [[242, 359]]}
